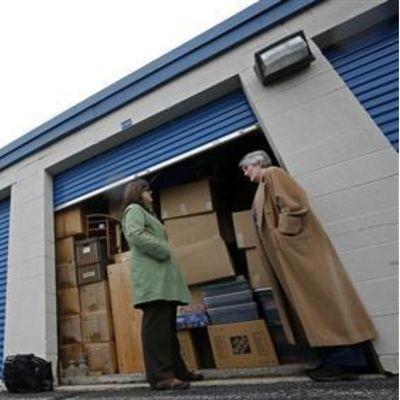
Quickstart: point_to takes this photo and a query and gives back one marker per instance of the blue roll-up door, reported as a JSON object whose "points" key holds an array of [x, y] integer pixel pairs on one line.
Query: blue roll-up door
{"points": [[180, 136], [4, 229], [368, 63]]}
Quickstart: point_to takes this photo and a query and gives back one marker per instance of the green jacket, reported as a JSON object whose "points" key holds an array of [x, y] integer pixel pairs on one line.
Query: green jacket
{"points": [[155, 272]]}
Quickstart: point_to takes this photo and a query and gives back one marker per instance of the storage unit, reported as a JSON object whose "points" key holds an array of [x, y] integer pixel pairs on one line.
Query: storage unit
{"points": [[190, 115]]}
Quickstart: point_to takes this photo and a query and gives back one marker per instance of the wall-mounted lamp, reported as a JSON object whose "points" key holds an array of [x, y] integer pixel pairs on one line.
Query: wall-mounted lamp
{"points": [[282, 57]]}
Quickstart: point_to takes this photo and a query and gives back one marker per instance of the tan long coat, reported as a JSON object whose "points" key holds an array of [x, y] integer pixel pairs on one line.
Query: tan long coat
{"points": [[306, 274]]}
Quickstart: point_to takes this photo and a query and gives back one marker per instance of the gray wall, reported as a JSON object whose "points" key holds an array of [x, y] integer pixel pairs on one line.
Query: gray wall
{"points": [[316, 127]]}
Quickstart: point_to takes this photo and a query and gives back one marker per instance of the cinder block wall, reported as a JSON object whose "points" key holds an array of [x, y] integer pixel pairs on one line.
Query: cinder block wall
{"points": [[328, 142]]}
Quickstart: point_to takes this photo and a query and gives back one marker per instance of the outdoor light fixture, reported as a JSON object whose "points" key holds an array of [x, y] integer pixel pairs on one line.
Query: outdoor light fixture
{"points": [[282, 57]]}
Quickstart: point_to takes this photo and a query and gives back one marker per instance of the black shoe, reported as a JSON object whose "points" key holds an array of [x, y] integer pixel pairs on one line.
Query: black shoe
{"points": [[330, 373], [191, 377]]}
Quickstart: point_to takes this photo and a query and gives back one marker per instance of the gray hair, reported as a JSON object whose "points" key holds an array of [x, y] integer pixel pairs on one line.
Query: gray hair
{"points": [[256, 157]]}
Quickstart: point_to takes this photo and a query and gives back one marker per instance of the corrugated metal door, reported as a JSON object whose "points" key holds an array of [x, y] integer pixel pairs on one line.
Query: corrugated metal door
{"points": [[181, 136], [368, 64], [4, 229]]}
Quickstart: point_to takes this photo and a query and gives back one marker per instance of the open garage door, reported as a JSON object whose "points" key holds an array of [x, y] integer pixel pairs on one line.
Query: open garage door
{"points": [[207, 126]]}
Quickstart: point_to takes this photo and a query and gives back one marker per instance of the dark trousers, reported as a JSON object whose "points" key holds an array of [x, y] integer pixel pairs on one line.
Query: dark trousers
{"points": [[352, 356], [161, 350]]}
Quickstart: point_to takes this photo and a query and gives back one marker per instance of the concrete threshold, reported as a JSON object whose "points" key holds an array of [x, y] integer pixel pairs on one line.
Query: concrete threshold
{"points": [[289, 370], [102, 387]]}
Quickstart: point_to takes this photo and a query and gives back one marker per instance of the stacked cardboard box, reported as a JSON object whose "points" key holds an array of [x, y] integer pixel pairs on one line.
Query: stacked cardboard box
{"points": [[97, 328], [69, 224], [91, 259], [96, 317], [127, 320], [196, 231], [246, 238], [242, 345]]}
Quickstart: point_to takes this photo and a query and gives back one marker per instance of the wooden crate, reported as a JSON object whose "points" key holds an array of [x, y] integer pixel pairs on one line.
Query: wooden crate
{"points": [[127, 320]]}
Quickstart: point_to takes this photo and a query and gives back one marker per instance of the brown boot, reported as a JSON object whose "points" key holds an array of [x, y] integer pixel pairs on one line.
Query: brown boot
{"points": [[191, 377], [171, 384]]}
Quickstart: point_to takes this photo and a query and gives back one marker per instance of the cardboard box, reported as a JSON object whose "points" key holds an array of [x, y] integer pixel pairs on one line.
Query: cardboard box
{"points": [[257, 274], [127, 320], [245, 231], [91, 273], [97, 326], [70, 352], [101, 357], [122, 257], [188, 351], [95, 297], [66, 275], [70, 329], [197, 294], [242, 345], [204, 261], [197, 303], [189, 199], [69, 222], [65, 250], [68, 301], [90, 251], [196, 228]]}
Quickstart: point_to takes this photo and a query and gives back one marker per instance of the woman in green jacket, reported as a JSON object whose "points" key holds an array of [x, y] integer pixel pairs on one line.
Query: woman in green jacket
{"points": [[159, 287]]}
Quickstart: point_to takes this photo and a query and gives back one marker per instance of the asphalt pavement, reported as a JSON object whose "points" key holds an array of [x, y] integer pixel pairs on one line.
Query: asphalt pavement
{"points": [[296, 388]]}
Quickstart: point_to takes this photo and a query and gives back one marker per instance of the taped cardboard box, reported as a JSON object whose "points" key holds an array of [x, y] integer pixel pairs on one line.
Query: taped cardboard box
{"points": [[122, 257], [257, 274], [188, 351], [95, 297], [97, 326], [68, 301], [66, 275], [101, 357], [126, 319], [65, 250], [242, 345], [70, 352], [204, 261], [70, 329], [70, 222], [196, 228], [245, 231], [189, 199]]}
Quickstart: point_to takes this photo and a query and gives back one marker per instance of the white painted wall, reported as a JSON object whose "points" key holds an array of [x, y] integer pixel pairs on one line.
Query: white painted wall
{"points": [[315, 125]]}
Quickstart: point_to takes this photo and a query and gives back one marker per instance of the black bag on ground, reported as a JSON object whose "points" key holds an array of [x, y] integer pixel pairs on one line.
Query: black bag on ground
{"points": [[26, 373]]}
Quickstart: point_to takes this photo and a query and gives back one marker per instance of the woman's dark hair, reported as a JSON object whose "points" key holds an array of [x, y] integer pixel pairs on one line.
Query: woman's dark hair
{"points": [[133, 192]]}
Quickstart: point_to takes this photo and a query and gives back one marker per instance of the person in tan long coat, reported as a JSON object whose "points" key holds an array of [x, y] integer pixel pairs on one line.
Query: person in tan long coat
{"points": [[316, 300]]}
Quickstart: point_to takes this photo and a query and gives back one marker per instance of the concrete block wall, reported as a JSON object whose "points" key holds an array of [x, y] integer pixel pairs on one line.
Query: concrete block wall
{"points": [[31, 317], [328, 142]]}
